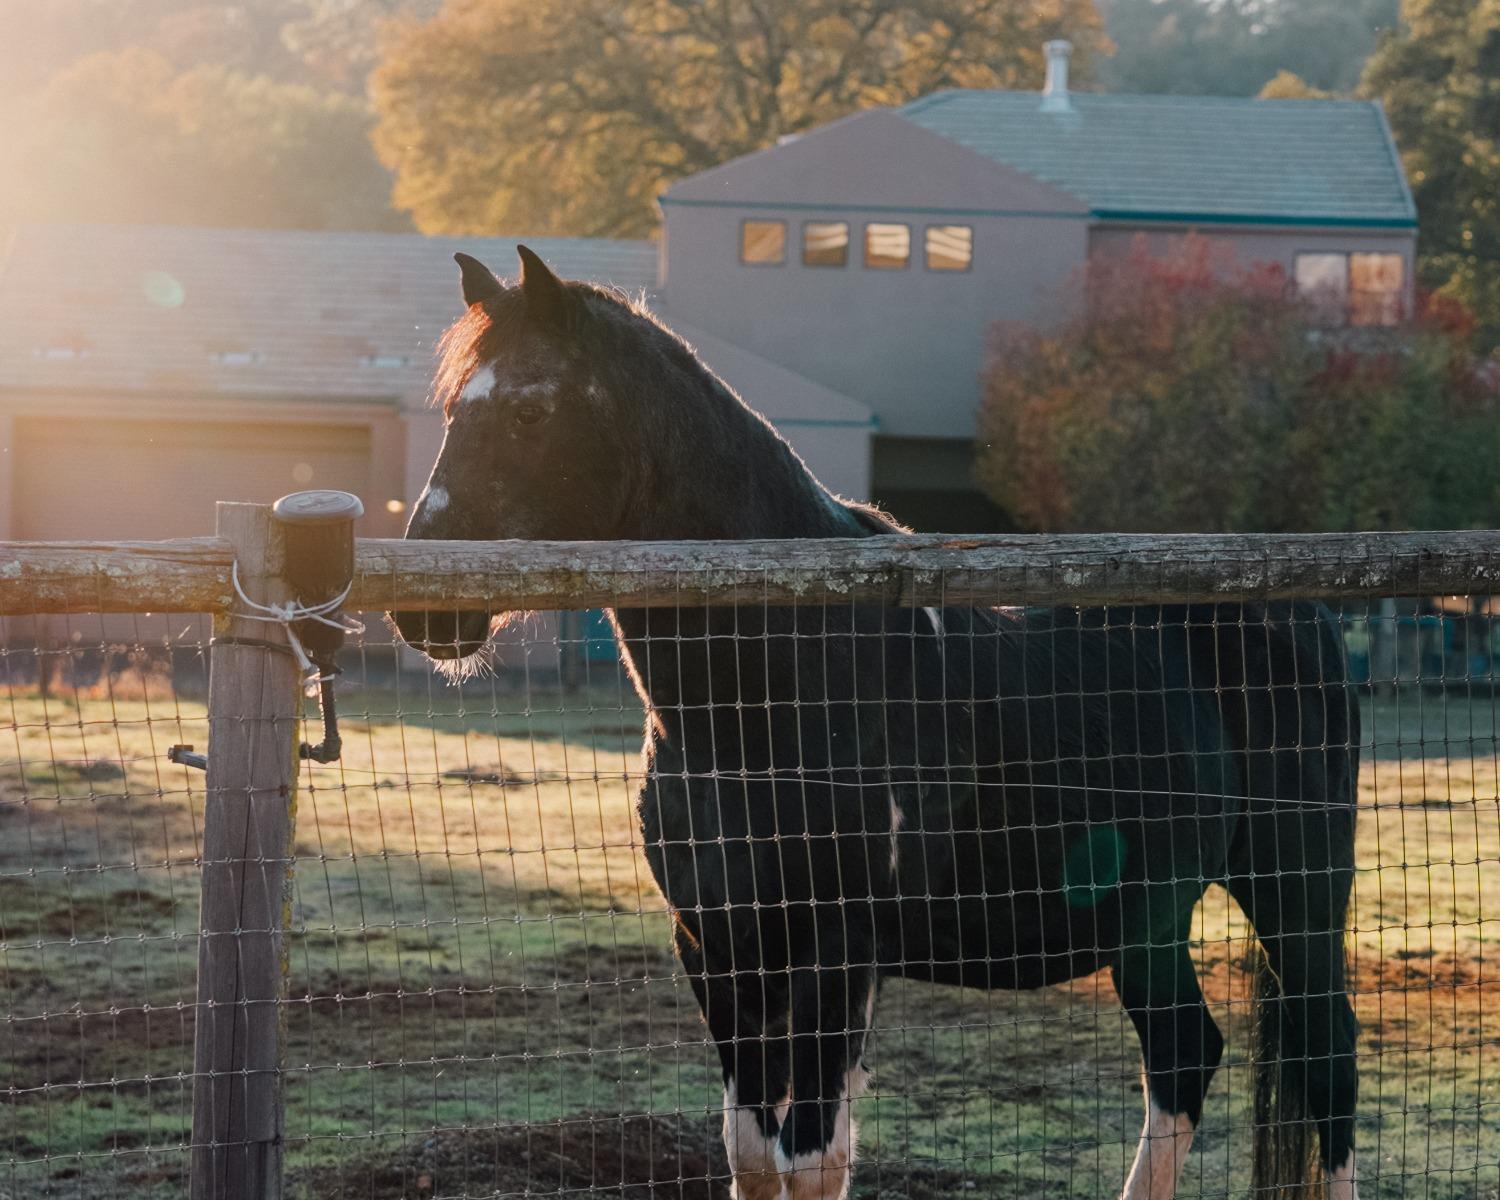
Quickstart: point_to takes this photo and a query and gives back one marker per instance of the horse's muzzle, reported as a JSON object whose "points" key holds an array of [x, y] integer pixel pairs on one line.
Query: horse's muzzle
{"points": [[443, 635]]}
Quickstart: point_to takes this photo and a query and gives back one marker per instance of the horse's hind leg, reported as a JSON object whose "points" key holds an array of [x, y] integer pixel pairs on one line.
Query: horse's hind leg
{"points": [[1181, 1047], [832, 1006], [746, 1012]]}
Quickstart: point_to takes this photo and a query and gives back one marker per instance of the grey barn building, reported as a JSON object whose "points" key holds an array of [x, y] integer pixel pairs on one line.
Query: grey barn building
{"points": [[873, 254], [843, 281]]}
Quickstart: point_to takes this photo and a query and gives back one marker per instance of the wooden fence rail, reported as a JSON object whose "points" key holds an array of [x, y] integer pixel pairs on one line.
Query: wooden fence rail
{"points": [[192, 574]]}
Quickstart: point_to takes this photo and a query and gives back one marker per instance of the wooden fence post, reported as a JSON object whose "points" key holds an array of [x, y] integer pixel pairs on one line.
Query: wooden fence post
{"points": [[254, 701]]}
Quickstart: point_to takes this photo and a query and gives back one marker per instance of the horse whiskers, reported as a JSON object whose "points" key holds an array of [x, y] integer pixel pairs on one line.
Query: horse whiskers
{"points": [[483, 662], [473, 666]]}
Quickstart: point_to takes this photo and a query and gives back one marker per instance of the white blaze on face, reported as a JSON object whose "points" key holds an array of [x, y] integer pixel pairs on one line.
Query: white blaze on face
{"points": [[432, 500], [480, 385], [1165, 1142]]}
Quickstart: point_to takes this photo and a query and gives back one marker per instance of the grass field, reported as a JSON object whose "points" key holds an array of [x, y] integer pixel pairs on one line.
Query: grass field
{"points": [[480, 984]]}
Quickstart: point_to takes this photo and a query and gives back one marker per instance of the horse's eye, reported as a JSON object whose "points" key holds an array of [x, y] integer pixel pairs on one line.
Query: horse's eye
{"points": [[529, 414]]}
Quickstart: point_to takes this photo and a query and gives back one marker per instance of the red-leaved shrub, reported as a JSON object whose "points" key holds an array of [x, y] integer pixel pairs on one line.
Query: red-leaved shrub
{"points": [[1191, 392]]}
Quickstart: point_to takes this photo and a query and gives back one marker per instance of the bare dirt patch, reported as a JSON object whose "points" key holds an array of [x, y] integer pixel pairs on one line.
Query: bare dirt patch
{"points": [[625, 1158], [632, 1158]]}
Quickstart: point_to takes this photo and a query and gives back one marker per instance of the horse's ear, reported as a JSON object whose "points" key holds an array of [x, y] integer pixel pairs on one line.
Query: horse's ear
{"points": [[547, 297], [479, 281]]}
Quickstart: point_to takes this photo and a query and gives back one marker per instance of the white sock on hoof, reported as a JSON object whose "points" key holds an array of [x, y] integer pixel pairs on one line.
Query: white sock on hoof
{"points": [[1341, 1183], [752, 1155], [824, 1175], [1165, 1142]]}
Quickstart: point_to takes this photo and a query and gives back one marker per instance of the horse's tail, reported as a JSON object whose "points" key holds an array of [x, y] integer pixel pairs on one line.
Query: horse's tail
{"points": [[1285, 1143]]}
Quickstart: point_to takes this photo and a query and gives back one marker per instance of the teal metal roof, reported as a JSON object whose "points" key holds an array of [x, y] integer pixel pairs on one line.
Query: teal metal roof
{"points": [[1190, 157]]}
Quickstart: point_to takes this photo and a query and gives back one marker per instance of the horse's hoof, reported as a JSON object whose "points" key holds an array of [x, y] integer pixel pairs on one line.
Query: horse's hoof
{"points": [[822, 1179], [759, 1185]]}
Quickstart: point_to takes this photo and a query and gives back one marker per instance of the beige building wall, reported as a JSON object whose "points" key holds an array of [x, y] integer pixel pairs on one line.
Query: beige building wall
{"points": [[155, 468], [839, 455]]}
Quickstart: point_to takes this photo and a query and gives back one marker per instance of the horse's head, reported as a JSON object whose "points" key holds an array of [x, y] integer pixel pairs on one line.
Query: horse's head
{"points": [[551, 393], [571, 414]]}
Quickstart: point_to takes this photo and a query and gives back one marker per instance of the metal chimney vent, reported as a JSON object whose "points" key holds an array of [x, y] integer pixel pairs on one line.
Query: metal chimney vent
{"points": [[1055, 91]]}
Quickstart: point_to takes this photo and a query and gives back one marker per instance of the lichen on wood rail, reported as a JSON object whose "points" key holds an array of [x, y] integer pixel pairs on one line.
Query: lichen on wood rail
{"points": [[192, 574], [183, 575], [922, 569]]}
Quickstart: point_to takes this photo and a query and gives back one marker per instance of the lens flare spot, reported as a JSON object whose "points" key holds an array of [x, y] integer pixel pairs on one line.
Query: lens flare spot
{"points": [[302, 473], [163, 290]]}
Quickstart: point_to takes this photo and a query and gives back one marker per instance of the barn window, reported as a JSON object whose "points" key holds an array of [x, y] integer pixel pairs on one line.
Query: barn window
{"points": [[1354, 289], [763, 243], [950, 247], [887, 245], [1323, 279], [236, 358], [825, 243], [384, 361]]}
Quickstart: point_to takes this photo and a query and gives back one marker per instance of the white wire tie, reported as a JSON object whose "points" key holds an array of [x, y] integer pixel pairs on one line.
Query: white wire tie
{"points": [[292, 611]]}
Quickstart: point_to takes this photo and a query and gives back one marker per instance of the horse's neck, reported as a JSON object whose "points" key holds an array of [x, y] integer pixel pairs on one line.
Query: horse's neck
{"points": [[668, 650], [732, 477]]}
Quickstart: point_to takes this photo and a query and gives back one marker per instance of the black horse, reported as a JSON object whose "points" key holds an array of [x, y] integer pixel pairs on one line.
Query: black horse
{"points": [[989, 797]]}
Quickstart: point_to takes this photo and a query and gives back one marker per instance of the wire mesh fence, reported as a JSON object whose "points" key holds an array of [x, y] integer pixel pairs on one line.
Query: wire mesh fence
{"points": [[482, 996]]}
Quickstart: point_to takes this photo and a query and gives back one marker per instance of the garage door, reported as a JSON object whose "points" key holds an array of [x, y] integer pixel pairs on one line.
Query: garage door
{"points": [[117, 479]]}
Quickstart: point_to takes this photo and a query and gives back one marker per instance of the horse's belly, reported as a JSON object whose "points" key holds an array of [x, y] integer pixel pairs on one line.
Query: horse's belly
{"points": [[1021, 940]]}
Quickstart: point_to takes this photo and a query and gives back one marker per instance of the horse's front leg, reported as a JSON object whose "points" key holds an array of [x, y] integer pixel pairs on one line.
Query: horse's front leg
{"points": [[757, 1077], [1181, 1047], [833, 1002], [746, 1011]]}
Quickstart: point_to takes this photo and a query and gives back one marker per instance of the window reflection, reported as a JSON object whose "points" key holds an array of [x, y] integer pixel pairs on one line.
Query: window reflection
{"points": [[949, 247], [1323, 280], [1377, 283], [763, 242], [825, 243], [887, 245]]}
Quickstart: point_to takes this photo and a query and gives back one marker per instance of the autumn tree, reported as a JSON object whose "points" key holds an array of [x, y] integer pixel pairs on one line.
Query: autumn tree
{"points": [[1190, 393], [571, 116], [1288, 85], [127, 136], [1440, 83], [338, 40], [41, 41]]}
